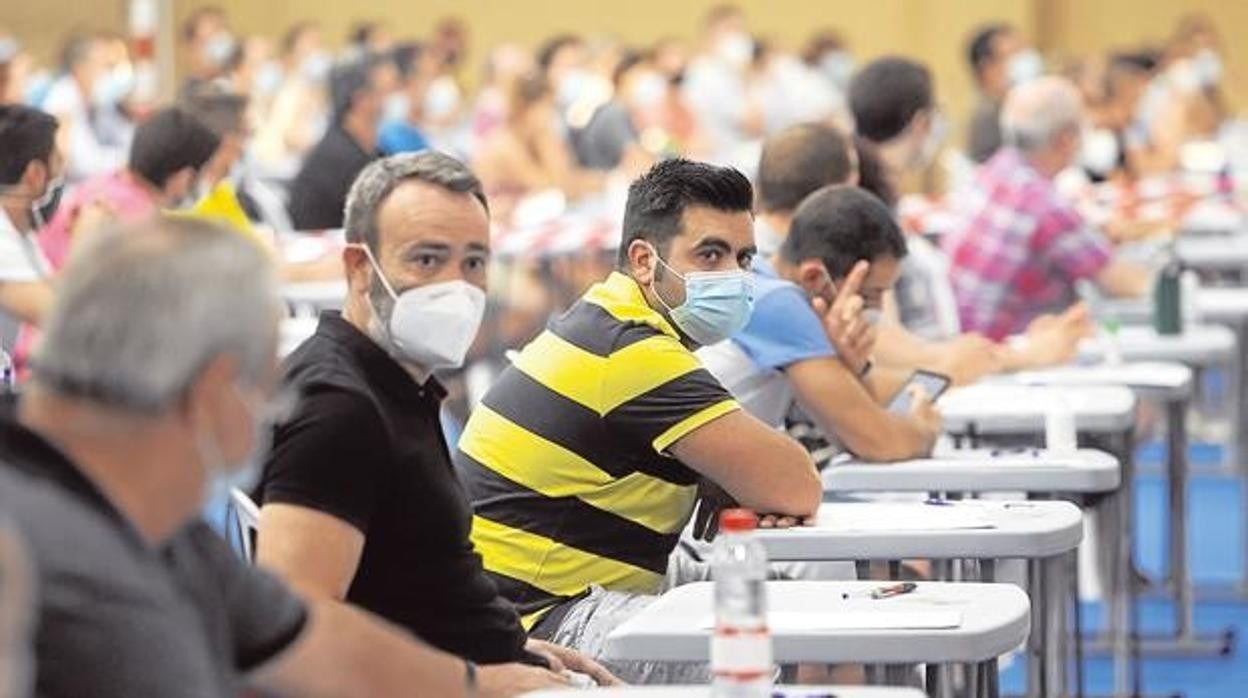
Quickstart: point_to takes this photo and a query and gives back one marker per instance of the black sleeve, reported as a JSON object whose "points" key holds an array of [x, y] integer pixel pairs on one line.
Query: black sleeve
{"points": [[333, 456], [265, 617]]}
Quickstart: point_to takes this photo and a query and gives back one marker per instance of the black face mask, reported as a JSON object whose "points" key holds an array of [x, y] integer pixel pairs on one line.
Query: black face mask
{"points": [[43, 208]]}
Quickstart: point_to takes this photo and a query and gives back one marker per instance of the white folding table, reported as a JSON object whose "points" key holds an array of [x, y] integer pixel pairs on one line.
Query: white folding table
{"points": [[994, 619], [1002, 408], [1029, 470], [1042, 532], [1011, 409]]}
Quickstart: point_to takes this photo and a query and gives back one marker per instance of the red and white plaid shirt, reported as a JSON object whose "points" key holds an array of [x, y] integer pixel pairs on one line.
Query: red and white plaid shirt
{"points": [[1020, 249]]}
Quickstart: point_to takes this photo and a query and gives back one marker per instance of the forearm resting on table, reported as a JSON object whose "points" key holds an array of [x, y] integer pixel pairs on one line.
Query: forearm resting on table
{"points": [[761, 468], [344, 652], [842, 407]]}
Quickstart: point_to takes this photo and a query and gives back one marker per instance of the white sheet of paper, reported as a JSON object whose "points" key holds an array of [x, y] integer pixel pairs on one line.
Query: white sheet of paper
{"points": [[901, 516], [857, 619]]}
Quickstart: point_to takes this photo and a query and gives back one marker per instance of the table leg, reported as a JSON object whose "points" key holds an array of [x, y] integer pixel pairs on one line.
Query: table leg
{"points": [[1038, 640], [1056, 606], [1077, 620], [1184, 641]]}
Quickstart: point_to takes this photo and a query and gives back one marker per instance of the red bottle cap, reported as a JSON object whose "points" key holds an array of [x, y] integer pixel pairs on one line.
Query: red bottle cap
{"points": [[737, 520]]}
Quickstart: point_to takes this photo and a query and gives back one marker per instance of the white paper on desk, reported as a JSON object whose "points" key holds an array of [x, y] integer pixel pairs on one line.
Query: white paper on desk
{"points": [[857, 619], [887, 516]]}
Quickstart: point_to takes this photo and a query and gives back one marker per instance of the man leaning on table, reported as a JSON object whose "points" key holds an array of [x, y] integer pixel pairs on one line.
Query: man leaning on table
{"points": [[583, 459], [359, 500], [1023, 246], [151, 392]]}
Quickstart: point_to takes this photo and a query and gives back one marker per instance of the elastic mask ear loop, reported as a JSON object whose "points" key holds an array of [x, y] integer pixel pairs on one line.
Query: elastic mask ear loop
{"points": [[654, 273], [377, 268]]}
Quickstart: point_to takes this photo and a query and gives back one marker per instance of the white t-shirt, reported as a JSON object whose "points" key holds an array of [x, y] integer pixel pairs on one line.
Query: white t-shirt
{"points": [[764, 393], [21, 260]]}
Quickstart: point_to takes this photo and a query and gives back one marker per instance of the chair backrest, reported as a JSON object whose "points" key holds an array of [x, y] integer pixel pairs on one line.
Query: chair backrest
{"points": [[245, 519]]}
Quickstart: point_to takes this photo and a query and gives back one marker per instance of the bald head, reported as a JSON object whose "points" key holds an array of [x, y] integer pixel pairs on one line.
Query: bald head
{"points": [[800, 160], [1038, 113]]}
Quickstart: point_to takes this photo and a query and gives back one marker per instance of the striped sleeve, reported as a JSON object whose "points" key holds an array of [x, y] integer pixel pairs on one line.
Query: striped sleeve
{"points": [[658, 392]]}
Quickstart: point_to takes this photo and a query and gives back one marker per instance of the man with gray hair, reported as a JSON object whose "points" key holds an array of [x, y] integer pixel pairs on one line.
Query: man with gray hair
{"points": [[360, 501], [1023, 246], [151, 392]]}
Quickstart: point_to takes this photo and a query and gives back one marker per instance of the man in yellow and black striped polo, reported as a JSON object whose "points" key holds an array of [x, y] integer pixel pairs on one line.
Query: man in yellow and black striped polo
{"points": [[583, 459]]}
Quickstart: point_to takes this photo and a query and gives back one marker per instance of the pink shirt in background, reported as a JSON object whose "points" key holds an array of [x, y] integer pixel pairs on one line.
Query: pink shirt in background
{"points": [[126, 200], [119, 191]]}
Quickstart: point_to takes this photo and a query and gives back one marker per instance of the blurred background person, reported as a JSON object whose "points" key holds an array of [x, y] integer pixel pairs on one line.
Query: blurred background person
{"points": [[999, 58], [827, 52], [716, 90], [789, 92], [529, 154], [503, 69], [368, 37], [613, 136], [299, 114], [86, 86], [207, 44], [358, 90]]}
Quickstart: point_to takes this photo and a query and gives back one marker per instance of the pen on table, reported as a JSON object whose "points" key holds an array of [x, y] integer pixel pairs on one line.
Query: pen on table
{"points": [[784, 694], [938, 502], [883, 592]]}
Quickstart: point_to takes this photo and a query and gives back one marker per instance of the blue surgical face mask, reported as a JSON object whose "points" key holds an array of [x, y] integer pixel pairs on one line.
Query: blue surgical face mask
{"points": [[717, 303], [224, 478], [112, 87]]}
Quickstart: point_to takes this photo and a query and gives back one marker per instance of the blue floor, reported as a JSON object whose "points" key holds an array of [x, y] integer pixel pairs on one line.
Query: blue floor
{"points": [[1215, 542]]}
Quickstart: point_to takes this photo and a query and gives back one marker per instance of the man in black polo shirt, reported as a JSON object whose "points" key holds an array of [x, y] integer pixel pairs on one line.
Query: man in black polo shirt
{"points": [[359, 498], [152, 385], [358, 91]]}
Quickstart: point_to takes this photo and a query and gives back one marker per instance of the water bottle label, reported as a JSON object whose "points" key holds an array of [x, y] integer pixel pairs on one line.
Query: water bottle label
{"points": [[741, 654]]}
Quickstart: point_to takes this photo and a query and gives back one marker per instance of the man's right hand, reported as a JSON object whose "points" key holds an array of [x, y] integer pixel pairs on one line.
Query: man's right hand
{"points": [[712, 499], [506, 680], [847, 330]]}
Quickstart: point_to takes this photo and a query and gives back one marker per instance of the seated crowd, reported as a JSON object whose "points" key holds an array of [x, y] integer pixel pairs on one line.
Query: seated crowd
{"points": [[741, 311]]}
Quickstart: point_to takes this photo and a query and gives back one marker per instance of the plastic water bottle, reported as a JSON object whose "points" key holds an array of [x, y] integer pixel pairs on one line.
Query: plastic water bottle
{"points": [[741, 664]]}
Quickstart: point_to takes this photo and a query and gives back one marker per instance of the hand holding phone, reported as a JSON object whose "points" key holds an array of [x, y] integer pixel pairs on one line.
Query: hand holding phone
{"points": [[932, 384]]}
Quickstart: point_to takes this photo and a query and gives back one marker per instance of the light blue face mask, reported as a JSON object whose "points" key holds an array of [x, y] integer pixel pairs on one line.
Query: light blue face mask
{"points": [[223, 479], [717, 303]]}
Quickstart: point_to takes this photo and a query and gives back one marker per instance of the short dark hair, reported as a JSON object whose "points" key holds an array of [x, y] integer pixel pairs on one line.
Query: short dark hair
{"points": [[886, 94], [552, 46], [629, 59], [349, 78], [980, 49], [191, 26], [26, 135], [657, 200], [380, 177], [362, 32], [873, 174], [169, 141], [842, 226], [798, 161], [294, 33], [217, 108]]}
